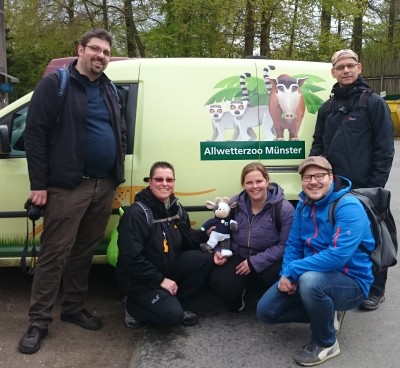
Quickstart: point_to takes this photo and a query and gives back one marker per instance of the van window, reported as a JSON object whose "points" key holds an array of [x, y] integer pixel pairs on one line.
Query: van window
{"points": [[18, 123]]}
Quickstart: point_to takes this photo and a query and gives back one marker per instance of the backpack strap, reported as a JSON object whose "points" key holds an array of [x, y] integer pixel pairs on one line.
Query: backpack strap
{"points": [[276, 216], [332, 208], [63, 81], [363, 103], [149, 215]]}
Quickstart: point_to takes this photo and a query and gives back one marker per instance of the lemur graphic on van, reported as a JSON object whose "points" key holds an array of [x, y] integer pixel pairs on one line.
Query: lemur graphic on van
{"points": [[242, 116], [246, 117]]}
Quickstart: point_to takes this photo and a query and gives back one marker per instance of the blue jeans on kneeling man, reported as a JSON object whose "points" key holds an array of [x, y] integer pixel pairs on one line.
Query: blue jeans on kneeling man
{"points": [[318, 296]]}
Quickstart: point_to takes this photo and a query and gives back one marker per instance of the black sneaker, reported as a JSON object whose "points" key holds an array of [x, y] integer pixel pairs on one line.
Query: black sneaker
{"points": [[83, 319], [372, 302], [337, 320], [189, 318], [313, 354], [30, 342]]}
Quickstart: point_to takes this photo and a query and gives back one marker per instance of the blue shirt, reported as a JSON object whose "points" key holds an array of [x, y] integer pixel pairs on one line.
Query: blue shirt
{"points": [[100, 149]]}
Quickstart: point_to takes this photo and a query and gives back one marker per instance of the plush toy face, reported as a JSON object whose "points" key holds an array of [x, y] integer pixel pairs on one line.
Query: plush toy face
{"points": [[222, 210]]}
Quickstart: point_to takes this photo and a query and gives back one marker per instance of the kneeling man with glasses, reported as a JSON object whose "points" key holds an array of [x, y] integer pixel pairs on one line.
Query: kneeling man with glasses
{"points": [[324, 273]]}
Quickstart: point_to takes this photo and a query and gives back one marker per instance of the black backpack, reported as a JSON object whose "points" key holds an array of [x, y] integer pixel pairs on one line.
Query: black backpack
{"points": [[376, 202]]}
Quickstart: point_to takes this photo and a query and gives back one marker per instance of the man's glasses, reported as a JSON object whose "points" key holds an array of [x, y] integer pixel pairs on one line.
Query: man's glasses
{"points": [[350, 66], [317, 177], [98, 50], [161, 180]]}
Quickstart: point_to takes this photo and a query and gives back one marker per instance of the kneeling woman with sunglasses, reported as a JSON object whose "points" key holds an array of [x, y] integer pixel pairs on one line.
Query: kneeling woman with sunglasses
{"points": [[160, 268]]}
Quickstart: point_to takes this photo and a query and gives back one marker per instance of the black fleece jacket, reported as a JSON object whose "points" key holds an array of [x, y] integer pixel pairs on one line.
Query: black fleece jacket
{"points": [[147, 252], [54, 137], [358, 144]]}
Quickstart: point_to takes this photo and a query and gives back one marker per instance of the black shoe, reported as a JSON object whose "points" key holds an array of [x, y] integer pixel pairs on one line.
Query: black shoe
{"points": [[372, 302], [30, 342], [83, 319], [189, 318]]}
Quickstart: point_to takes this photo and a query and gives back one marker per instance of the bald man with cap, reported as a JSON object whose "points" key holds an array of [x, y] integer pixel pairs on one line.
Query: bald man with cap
{"points": [[324, 273], [354, 132]]}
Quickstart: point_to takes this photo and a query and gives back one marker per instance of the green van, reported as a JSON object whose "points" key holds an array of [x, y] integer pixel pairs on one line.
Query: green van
{"points": [[208, 117]]}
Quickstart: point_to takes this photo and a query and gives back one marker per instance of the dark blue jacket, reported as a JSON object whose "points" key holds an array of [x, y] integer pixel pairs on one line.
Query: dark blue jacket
{"points": [[358, 144]]}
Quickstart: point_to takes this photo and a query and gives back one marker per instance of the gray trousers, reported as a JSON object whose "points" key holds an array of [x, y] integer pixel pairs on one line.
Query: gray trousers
{"points": [[74, 223]]}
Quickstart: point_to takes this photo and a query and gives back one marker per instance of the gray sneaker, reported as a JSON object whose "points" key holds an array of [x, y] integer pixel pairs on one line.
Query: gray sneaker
{"points": [[337, 320], [206, 247], [132, 322], [313, 354], [189, 318]]}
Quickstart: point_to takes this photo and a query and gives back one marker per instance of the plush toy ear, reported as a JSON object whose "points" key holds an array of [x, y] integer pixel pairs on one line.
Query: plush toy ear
{"points": [[210, 205], [233, 205]]}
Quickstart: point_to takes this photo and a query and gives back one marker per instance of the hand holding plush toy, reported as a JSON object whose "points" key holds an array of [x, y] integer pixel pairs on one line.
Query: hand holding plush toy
{"points": [[223, 223]]}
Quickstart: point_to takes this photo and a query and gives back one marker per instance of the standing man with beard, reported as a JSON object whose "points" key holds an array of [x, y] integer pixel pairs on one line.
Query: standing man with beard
{"points": [[75, 151], [354, 132]]}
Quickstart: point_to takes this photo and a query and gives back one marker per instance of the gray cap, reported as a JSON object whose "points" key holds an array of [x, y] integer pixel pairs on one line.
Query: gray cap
{"points": [[343, 54], [315, 161]]}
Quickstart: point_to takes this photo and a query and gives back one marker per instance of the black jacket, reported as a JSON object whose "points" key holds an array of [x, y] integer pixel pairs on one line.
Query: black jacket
{"points": [[147, 253], [54, 141], [358, 148]]}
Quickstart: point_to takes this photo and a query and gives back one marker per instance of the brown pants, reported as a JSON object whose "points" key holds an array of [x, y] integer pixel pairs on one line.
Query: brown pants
{"points": [[74, 223]]}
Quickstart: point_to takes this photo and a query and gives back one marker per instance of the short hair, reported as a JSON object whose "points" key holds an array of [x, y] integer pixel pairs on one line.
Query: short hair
{"points": [[162, 165], [96, 33], [254, 166]]}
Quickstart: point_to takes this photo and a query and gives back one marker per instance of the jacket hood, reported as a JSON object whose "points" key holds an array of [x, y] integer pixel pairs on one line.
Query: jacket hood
{"points": [[275, 195], [344, 92]]}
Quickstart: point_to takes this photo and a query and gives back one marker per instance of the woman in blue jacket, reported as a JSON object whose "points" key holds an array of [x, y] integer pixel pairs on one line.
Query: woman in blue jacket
{"points": [[264, 218]]}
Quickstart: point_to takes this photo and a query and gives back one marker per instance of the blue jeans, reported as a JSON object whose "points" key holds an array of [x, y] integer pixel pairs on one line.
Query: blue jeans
{"points": [[318, 295]]}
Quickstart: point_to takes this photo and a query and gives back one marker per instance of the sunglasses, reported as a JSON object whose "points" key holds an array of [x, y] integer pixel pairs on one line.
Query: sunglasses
{"points": [[161, 180]]}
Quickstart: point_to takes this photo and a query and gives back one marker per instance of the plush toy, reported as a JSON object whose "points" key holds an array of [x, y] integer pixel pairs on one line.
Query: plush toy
{"points": [[223, 226]]}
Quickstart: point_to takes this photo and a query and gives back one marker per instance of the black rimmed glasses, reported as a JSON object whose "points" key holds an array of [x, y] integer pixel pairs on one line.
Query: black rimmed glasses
{"points": [[317, 177], [98, 50], [350, 66], [161, 180]]}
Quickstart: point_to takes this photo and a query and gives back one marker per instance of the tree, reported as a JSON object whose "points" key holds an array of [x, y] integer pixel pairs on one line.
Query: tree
{"points": [[286, 29]]}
